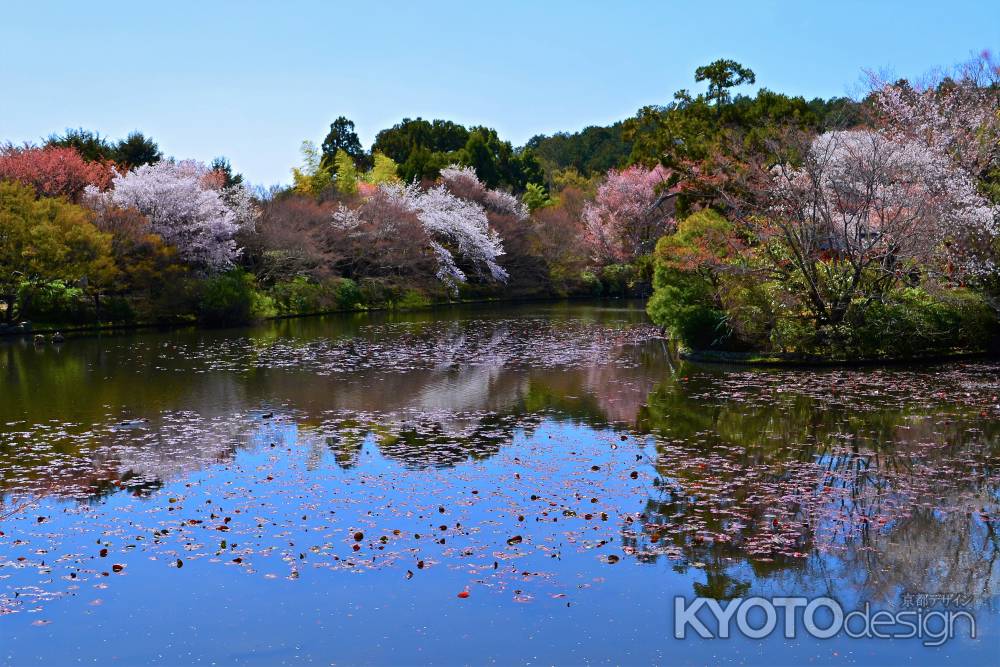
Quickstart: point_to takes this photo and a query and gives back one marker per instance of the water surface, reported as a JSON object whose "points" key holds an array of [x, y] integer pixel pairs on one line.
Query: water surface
{"points": [[323, 490]]}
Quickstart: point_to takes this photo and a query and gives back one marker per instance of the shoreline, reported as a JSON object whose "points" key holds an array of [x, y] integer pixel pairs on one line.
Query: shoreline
{"points": [[47, 329], [757, 360]]}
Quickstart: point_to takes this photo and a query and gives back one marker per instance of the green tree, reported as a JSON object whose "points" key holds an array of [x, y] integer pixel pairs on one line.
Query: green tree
{"points": [[409, 135], [341, 137], [536, 197], [722, 75], [384, 170], [423, 164], [90, 145], [685, 298], [313, 177], [45, 240], [478, 155], [592, 150], [347, 173], [136, 150]]}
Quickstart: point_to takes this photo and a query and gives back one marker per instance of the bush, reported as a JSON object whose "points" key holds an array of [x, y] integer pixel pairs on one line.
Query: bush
{"points": [[302, 296], [913, 322], [906, 323], [410, 300], [55, 302], [591, 283], [227, 298], [682, 305], [298, 296], [347, 295]]}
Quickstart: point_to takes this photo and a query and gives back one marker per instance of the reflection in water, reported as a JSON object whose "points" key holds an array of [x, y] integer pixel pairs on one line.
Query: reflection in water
{"points": [[523, 447]]}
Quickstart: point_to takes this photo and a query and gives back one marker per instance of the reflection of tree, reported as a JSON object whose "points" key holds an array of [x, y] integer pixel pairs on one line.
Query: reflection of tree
{"points": [[892, 495], [422, 440]]}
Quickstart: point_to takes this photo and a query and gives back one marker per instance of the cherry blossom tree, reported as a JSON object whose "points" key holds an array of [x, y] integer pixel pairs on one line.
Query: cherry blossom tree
{"points": [[187, 207], [861, 212], [957, 115], [463, 182], [458, 227], [456, 230], [631, 211], [53, 171]]}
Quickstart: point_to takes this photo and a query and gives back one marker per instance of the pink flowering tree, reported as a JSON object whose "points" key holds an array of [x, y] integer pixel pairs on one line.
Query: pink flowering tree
{"points": [[187, 207], [630, 212]]}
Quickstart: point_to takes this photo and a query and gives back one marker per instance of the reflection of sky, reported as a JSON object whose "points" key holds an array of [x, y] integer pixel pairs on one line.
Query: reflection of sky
{"points": [[298, 462]]}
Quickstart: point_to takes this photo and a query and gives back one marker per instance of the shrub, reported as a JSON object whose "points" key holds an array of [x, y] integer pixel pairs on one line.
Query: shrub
{"points": [[55, 302], [913, 322], [227, 298], [347, 295], [298, 296], [411, 299], [682, 304]]}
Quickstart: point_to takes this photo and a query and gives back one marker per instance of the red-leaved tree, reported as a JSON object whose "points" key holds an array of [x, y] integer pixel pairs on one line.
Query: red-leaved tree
{"points": [[53, 171]]}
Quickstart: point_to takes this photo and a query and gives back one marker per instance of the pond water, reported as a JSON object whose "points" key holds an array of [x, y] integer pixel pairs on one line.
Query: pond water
{"points": [[507, 484]]}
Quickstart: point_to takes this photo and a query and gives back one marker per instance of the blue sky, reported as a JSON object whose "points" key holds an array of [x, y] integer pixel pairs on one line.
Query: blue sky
{"points": [[252, 80]]}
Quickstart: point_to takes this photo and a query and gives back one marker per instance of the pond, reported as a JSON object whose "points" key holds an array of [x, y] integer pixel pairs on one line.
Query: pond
{"points": [[512, 484]]}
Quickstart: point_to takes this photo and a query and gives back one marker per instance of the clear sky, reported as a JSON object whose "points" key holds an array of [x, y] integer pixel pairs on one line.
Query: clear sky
{"points": [[252, 80]]}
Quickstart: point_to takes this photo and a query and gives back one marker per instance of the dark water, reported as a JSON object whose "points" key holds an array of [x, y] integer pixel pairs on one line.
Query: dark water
{"points": [[322, 490]]}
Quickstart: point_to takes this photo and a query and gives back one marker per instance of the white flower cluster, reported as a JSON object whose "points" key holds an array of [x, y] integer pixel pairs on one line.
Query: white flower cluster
{"points": [[455, 223], [186, 208], [863, 191]]}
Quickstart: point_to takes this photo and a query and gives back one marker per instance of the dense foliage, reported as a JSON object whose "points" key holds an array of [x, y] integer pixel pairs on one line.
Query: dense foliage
{"points": [[757, 222], [862, 242]]}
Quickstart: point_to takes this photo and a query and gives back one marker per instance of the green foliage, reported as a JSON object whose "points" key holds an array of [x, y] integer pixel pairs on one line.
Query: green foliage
{"points": [[477, 154], [228, 298], [422, 148], [302, 296], [708, 300], [685, 299], [341, 137], [136, 150], [54, 301], [384, 170], [439, 136], [45, 240], [591, 283], [313, 177], [133, 151], [722, 75], [411, 299], [347, 173], [682, 303], [422, 164], [591, 151], [90, 145], [913, 322], [536, 197], [691, 128]]}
